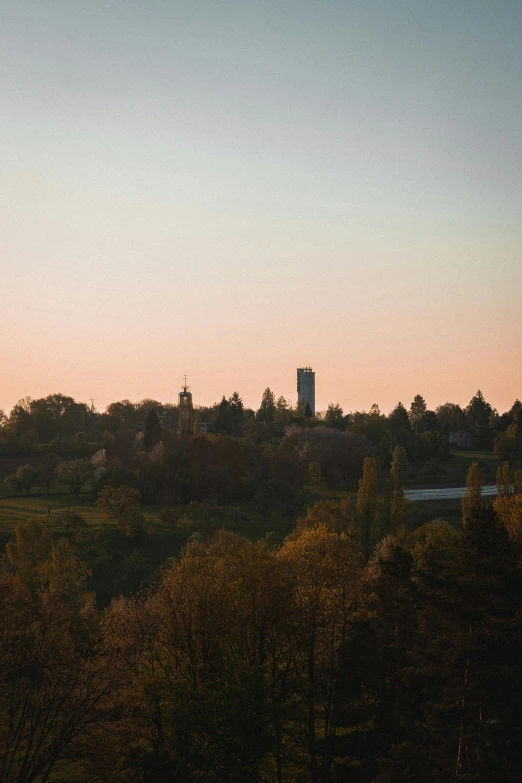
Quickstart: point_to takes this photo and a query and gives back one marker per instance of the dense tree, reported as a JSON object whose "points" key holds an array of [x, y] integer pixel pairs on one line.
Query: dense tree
{"points": [[418, 409], [398, 419], [393, 506], [253, 662], [373, 426], [152, 429], [507, 445], [479, 415], [20, 420], [503, 480], [450, 417], [322, 566], [335, 515], [47, 472], [283, 416], [120, 415], [223, 423], [69, 520], [58, 416], [339, 455], [30, 548], [472, 500], [508, 503], [120, 505], [366, 506], [24, 479], [75, 474], [478, 411], [55, 695], [334, 416], [236, 414], [267, 409], [399, 462]]}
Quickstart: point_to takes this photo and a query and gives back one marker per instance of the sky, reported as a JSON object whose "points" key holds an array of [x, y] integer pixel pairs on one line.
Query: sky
{"points": [[235, 189]]}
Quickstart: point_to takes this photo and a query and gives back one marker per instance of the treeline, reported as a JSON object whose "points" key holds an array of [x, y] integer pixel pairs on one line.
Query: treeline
{"points": [[137, 444], [323, 659], [58, 418], [207, 468]]}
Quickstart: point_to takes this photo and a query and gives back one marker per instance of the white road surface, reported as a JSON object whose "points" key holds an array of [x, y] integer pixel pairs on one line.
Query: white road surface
{"points": [[445, 493]]}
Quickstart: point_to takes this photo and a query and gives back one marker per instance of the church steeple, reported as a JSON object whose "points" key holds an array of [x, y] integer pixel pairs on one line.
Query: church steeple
{"points": [[186, 410]]}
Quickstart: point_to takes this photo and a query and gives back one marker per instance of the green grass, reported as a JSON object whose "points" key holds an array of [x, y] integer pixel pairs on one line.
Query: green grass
{"points": [[253, 522], [47, 507]]}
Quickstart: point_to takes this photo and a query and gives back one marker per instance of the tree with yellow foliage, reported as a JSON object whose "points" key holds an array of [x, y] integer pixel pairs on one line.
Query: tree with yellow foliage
{"points": [[503, 480], [393, 508], [322, 566], [31, 547], [336, 515], [472, 500], [366, 505], [508, 503]]}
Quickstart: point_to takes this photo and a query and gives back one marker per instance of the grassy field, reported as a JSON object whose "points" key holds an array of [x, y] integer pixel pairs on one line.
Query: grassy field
{"points": [[253, 522], [47, 507]]}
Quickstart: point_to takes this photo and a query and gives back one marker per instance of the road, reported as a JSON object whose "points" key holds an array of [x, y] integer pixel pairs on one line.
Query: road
{"points": [[445, 493]]}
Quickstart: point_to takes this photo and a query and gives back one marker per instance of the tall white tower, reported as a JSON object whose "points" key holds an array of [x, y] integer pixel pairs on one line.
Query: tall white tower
{"points": [[306, 388]]}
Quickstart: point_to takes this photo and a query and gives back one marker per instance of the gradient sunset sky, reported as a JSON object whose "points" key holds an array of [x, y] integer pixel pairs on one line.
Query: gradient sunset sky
{"points": [[235, 189]]}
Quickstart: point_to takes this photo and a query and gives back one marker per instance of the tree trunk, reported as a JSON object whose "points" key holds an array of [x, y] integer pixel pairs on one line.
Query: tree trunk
{"points": [[461, 732], [311, 712]]}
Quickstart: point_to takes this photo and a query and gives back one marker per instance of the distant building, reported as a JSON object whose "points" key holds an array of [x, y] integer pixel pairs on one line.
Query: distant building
{"points": [[187, 414], [461, 438], [306, 388]]}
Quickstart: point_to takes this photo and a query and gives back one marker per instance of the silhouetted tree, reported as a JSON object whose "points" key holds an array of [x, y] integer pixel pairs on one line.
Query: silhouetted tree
{"points": [[223, 423], [152, 429], [334, 416], [266, 411], [366, 505]]}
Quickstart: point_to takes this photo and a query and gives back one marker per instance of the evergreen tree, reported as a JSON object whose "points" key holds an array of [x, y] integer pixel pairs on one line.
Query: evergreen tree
{"points": [[417, 410], [366, 505], [472, 500], [283, 416], [237, 414], [503, 480], [223, 424], [267, 409], [516, 411], [393, 508], [152, 429], [479, 414], [398, 419], [478, 411]]}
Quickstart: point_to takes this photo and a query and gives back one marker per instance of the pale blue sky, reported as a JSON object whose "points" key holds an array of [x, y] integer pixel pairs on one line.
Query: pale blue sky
{"points": [[234, 189]]}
